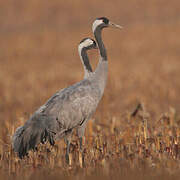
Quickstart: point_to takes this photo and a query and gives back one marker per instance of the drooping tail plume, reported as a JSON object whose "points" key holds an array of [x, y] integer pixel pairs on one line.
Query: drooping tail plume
{"points": [[31, 134]]}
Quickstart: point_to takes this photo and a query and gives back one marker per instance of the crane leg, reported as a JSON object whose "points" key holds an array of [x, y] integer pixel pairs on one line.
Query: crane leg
{"points": [[80, 132], [68, 143], [81, 143]]}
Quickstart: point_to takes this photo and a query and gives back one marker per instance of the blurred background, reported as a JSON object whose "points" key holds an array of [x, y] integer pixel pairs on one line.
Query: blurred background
{"points": [[39, 56], [38, 53]]}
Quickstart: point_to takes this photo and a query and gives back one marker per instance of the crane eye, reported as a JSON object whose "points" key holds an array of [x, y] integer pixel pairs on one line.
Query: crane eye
{"points": [[104, 19]]}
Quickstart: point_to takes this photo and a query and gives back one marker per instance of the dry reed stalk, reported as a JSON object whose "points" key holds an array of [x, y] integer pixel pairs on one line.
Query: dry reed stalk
{"points": [[70, 159], [145, 128], [21, 120], [51, 161], [96, 152], [136, 110], [140, 147], [113, 122], [178, 135], [158, 143], [97, 143], [13, 167], [140, 132], [101, 143], [35, 160], [90, 127], [80, 159], [116, 147], [172, 113], [167, 140], [90, 132], [146, 144], [1, 150]]}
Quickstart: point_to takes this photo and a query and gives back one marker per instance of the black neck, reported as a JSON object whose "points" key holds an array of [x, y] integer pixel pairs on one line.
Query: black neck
{"points": [[86, 60], [102, 49]]}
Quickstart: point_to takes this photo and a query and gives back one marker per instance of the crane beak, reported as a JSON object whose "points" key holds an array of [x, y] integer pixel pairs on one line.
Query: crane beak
{"points": [[113, 25]]}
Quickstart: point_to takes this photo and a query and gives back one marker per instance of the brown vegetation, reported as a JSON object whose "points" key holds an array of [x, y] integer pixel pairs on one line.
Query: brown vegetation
{"points": [[135, 133]]}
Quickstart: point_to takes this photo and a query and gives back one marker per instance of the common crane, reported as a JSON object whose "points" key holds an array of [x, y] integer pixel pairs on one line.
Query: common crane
{"points": [[26, 137], [68, 109]]}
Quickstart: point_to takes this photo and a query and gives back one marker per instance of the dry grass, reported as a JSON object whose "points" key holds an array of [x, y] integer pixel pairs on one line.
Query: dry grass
{"points": [[125, 139]]}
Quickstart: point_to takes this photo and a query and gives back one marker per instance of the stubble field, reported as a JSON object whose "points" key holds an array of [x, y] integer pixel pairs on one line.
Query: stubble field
{"points": [[135, 132]]}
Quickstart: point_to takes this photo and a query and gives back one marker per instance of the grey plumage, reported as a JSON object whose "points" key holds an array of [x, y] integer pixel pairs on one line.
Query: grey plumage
{"points": [[51, 121], [68, 109]]}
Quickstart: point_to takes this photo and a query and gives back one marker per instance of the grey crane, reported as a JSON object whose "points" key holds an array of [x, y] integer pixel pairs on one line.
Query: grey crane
{"points": [[68, 109], [19, 138]]}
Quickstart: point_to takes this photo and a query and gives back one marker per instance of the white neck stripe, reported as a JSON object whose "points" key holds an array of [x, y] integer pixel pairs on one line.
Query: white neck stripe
{"points": [[96, 24]]}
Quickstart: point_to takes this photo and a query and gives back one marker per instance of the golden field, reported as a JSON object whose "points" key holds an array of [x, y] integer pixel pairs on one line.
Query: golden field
{"points": [[135, 133]]}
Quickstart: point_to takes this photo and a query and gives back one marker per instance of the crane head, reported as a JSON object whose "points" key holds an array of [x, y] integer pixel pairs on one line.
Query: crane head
{"points": [[88, 43], [104, 22]]}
